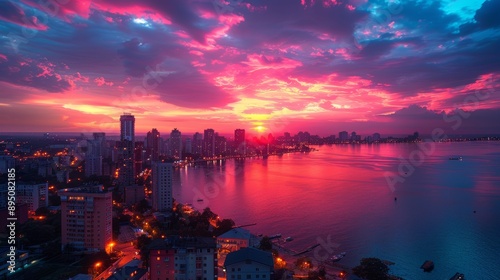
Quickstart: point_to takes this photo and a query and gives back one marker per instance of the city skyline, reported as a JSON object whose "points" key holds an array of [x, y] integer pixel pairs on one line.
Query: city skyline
{"points": [[266, 67]]}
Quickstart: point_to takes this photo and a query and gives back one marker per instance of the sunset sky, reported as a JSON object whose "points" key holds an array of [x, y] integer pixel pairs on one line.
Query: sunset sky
{"points": [[276, 65]]}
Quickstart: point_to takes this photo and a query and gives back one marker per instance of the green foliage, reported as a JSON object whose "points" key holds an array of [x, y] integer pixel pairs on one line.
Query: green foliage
{"points": [[371, 269]]}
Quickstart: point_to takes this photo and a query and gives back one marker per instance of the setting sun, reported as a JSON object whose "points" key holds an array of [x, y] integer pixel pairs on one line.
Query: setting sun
{"points": [[260, 128]]}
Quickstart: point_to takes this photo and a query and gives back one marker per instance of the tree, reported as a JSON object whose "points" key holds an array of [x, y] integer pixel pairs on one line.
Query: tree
{"points": [[371, 269], [36, 232], [143, 241], [208, 214], [266, 244], [303, 263], [54, 200], [142, 206], [224, 226], [115, 225]]}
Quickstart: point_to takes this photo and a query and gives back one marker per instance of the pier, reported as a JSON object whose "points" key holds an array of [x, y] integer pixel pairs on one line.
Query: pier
{"points": [[309, 249]]}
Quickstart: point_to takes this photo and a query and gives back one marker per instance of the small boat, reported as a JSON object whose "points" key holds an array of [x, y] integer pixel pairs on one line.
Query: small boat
{"points": [[275, 236], [199, 200], [458, 276], [288, 239], [336, 258], [428, 266], [456, 158]]}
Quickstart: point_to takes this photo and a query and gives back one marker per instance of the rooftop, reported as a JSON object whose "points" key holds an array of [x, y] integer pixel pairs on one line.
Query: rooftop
{"points": [[249, 253], [178, 242], [236, 233]]}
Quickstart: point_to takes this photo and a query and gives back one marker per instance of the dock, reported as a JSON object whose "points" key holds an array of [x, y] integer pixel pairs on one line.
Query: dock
{"points": [[247, 225], [309, 249]]}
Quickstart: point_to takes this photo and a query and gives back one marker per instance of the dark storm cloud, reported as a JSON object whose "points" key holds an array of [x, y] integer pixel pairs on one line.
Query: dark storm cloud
{"points": [[486, 17]]}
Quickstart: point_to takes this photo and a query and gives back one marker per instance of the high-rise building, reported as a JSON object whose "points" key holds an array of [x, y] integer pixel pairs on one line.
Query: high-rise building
{"points": [[287, 138], [101, 137], [220, 145], [188, 146], [376, 136], [139, 157], [209, 143], [35, 195], [175, 144], [183, 258], [127, 128], [6, 163], [270, 138], [162, 177], [127, 146], [303, 137], [86, 218], [353, 136], [343, 136], [239, 141], [197, 144], [153, 145], [94, 155]]}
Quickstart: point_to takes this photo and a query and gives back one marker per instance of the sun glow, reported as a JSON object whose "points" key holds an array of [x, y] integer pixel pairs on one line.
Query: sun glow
{"points": [[260, 128]]}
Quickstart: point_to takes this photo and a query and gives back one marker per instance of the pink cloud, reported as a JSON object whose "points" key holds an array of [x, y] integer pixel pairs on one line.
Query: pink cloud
{"points": [[100, 81], [262, 62]]}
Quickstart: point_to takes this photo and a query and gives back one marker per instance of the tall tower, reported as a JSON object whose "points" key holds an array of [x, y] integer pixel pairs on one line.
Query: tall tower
{"points": [[209, 143], [175, 143], [239, 141], [188, 146], [153, 145], [197, 144], [162, 177], [343, 136], [96, 150], [127, 139], [220, 145]]}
